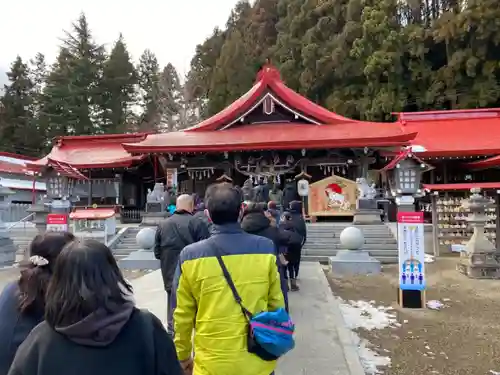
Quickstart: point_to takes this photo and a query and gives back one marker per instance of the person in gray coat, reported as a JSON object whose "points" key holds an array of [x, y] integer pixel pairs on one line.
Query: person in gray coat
{"points": [[173, 234]]}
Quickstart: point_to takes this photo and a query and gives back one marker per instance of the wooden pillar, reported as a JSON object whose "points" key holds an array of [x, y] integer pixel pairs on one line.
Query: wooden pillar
{"points": [[435, 224], [497, 221], [89, 193], [445, 176]]}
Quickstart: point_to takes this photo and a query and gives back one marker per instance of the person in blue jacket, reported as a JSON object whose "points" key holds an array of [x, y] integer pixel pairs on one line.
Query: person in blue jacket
{"points": [[22, 302]]}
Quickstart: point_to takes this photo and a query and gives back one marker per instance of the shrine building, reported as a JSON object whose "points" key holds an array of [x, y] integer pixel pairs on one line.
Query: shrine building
{"points": [[272, 132]]}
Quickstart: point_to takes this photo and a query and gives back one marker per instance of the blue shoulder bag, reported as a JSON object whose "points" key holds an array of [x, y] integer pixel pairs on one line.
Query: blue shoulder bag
{"points": [[270, 333]]}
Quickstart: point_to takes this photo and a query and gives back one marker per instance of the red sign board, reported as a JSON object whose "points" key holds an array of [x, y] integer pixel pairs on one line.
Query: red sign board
{"points": [[57, 222], [411, 217]]}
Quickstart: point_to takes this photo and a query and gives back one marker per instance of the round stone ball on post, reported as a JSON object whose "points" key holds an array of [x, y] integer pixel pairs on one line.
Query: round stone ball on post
{"points": [[352, 260], [146, 238], [352, 238]]}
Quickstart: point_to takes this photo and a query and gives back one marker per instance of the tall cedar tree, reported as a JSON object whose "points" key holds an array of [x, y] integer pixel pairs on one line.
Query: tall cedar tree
{"points": [[171, 101], [19, 133], [56, 108], [84, 74], [361, 58], [149, 77], [118, 89]]}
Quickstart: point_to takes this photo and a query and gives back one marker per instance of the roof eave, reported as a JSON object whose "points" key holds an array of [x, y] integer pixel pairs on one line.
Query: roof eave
{"points": [[397, 140]]}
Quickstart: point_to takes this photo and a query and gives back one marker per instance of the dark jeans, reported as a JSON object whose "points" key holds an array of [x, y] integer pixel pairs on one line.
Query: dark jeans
{"points": [[291, 270], [284, 285], [170, 314]]}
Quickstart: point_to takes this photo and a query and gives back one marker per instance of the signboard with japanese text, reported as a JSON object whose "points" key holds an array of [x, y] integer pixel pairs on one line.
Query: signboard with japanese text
{"points": [[57, 223], [411, 251]]}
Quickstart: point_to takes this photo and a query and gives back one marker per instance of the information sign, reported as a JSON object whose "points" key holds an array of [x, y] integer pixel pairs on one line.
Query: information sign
{"points": [[57, 223], [411, 251]]}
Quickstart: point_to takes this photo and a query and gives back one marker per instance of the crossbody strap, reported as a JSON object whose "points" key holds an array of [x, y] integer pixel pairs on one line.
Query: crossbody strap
{"points": [[230, 283]]}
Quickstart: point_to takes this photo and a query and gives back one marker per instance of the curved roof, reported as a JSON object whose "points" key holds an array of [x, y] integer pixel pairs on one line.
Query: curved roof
{"points": [[92, 151], [454, 133], [276, 136], [269, 80], [313, 126]]}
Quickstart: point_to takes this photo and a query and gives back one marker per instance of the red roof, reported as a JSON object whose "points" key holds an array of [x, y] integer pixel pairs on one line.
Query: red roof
{"points": [[276, 136], [93, 151], [13, 168], [319, 128], [92, 213], [66, 169], [454, 133], [406, 153], [491, 162], [269, 80]]}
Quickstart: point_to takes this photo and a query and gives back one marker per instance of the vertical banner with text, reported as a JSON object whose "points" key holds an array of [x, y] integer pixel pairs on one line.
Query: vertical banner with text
{"points": [[411, 251]]}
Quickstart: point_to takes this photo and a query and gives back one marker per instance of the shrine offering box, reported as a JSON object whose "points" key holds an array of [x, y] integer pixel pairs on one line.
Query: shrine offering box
{"points": [[96, 223]]}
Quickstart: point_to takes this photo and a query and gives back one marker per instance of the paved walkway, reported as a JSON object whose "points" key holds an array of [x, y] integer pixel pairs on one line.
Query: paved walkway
{"points": [[323, 344]]}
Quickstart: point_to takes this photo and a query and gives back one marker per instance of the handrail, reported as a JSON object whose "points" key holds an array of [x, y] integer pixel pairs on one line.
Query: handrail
{"points": [[21, 221]]}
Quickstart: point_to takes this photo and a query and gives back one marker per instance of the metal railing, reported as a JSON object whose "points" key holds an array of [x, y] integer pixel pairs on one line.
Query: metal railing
{"points": [[23, 221], [15, 212]]}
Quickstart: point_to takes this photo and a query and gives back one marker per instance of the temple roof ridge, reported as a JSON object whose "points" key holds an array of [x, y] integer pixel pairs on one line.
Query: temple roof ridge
{"points": [[268, 81]]}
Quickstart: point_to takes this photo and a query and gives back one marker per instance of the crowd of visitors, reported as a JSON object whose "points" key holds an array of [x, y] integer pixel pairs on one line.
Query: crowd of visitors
{"points": [[227, 266]]}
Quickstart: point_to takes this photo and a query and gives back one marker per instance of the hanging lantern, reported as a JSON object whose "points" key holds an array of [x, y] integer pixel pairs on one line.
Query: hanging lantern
{"points": [[303, 187]]}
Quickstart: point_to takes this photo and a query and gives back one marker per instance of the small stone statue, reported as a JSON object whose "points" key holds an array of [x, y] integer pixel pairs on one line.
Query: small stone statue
{"points": [[365, 190], [157, 195], [247, 189]]}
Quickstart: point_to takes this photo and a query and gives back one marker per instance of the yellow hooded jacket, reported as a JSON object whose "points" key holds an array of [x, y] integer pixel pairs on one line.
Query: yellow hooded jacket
{"points": [[203, 301]]}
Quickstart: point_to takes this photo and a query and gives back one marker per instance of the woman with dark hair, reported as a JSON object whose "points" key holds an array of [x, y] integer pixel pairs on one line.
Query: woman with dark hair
{"points": [[91, 324], [22, 302]]}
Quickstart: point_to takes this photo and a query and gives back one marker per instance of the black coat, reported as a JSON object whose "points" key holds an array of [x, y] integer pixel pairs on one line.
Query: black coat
{"points": [[257, 223], [173, 234], [142, 346], [201, 215], [289, 194], [14, 326]]}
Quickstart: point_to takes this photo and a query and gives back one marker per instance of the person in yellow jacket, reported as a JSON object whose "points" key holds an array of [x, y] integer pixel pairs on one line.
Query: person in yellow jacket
{"points": [[206, 315]]}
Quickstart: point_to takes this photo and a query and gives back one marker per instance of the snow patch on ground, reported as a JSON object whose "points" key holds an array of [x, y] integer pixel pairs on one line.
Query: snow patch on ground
{"points": [[363, 314], [366, 315]]}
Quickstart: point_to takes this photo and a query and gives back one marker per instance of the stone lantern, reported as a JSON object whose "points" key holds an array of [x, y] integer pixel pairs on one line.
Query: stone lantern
{"points": [[7, 247], [406, 182], [407, 177], [480, 259], [59, 189]]}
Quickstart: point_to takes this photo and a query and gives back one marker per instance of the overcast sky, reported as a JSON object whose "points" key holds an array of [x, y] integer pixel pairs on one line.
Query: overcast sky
{"points": [[170, 28]]}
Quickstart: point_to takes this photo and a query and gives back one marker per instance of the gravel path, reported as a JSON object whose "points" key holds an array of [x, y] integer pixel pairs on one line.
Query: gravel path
{"points": [[462, 338]]}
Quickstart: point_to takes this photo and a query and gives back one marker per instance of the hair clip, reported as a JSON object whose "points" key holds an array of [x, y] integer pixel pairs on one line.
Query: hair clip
{"points": [[38, 261]]}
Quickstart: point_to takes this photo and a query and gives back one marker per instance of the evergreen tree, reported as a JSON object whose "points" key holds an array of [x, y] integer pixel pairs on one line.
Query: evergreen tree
{"points": [[118, 85], [171, 100], [56, 108], [149, 78], [38, 72], [19, 132], [85, 61]]}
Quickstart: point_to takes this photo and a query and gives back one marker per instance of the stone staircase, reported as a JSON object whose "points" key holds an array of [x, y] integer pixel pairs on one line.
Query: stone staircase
{"points": [[126, 243], [323, 241], [22, 237]]}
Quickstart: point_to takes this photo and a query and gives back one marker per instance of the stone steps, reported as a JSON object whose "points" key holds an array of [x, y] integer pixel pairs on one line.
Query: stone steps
{"points": [[126, 244], [324, 259], [323, 241], [338, 246]]}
